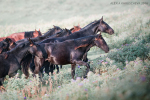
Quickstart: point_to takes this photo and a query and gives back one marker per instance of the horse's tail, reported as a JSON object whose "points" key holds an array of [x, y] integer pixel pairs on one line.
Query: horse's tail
{"points": [[25, 64]]}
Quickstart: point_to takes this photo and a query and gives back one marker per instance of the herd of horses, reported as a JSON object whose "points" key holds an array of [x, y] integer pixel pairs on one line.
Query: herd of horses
{"points": [[56, 47]]}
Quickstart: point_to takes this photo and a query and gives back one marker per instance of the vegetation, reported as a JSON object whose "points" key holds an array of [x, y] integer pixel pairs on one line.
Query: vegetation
{"points": [[121, 74]]}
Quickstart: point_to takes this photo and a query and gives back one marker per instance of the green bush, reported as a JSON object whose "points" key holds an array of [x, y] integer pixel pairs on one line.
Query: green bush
{"points": [[129, 52]]}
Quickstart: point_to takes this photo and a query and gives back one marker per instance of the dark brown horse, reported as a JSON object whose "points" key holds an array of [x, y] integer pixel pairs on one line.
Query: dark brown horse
{"points": [[11, 61], [90, 29], [18, 36], [71, 51], [46, 64]]}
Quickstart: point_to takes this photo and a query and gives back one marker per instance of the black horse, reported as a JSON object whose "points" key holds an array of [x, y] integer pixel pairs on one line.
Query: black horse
{"points": [[71, 51], [90, 29], [11, 61]]}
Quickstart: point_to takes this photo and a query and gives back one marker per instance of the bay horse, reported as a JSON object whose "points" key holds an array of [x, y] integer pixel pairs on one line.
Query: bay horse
{"points": [[18, 36], [11, 61], [71, 51], [90, 29]]}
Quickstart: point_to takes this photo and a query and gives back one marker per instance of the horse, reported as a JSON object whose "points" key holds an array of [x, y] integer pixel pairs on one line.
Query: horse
{"points": [[11, 61], [71, 51], [18, 36], [75, 28], [90, 29], [45, 64]]}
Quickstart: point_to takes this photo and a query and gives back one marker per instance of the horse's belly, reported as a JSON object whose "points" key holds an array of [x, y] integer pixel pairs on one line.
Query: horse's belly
{"points": [[61, 60]]}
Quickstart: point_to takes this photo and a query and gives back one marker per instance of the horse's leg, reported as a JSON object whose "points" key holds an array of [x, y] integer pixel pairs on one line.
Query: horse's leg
{"points": [[85, 59], [38, 64], [1, 84], [80, 62], [51, 66], [1, 81], [46, 66], [41, 75], [57, 68], [73, 66], [60, 66]]}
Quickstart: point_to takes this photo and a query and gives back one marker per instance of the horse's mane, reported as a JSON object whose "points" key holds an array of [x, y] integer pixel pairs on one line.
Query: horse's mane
{"points": [[87, 26]]}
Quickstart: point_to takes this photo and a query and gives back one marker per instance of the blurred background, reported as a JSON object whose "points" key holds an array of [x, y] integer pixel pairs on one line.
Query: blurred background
{"points": [[14, 12]]}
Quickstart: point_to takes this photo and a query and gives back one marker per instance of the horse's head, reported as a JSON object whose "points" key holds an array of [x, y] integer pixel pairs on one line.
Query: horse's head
{"points": [[57, 29], [36, 49], [66, 32], [100, 42], [104, 27], [75, 28], [37, 33], [5, 44]]}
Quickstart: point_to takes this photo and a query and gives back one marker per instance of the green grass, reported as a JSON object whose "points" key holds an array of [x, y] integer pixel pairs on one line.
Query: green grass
{"points": [[121, 74]]}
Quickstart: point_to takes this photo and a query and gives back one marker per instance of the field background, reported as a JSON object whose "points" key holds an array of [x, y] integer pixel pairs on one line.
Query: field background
{"points": [[121, 74]]}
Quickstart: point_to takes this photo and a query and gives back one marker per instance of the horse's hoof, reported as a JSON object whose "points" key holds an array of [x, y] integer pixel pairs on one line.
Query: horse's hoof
{"points": [[85, 76]]}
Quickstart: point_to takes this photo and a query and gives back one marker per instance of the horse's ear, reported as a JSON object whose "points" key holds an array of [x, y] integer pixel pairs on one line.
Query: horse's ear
{"points": [[39, 29], [7, 39], [36, 30], [54, 26], [101, 20]]}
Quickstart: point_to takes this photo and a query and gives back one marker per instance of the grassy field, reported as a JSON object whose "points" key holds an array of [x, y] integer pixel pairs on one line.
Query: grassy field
{"points": [[121, 74]]}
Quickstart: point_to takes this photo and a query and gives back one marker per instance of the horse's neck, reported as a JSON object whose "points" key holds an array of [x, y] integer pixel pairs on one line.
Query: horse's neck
{"points": [[90, 30], [19, 54], [86, 43], [88, 48], [49, 33]]}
